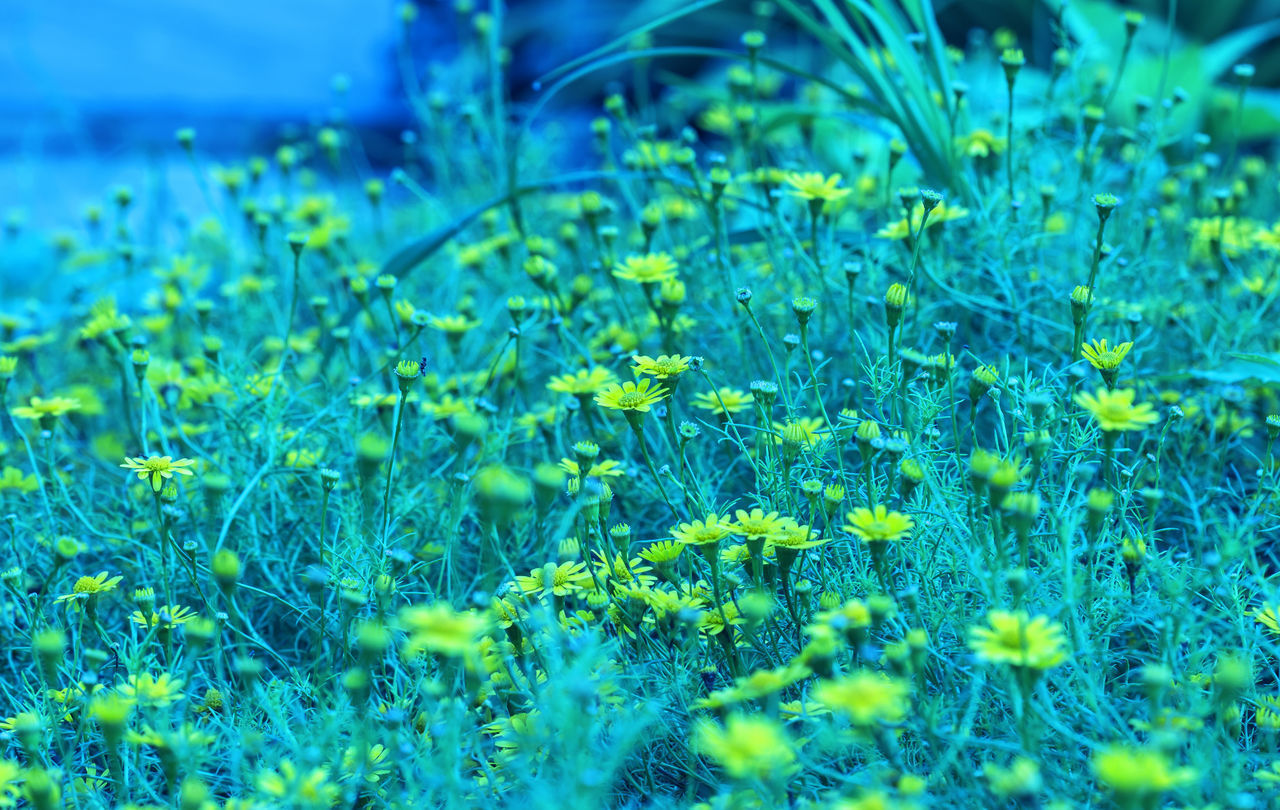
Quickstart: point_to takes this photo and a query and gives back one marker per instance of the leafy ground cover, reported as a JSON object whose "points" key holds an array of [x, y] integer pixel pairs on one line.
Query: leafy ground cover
{"points": [[870, 424]]}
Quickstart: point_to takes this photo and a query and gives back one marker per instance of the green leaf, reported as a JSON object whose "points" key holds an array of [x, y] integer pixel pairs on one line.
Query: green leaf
{"points": [[1227, 51], [1270, 360], [1245, 367], [903, 96]]}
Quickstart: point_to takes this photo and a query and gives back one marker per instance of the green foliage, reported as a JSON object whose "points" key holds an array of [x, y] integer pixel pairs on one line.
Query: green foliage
{"points": [[732, 471]]}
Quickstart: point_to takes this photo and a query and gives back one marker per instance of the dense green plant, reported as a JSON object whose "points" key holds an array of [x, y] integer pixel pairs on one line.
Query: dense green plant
{"points": [[872, 425]]}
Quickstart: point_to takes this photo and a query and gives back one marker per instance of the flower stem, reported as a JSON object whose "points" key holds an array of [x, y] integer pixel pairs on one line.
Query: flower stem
{"points": [[391, 463]]}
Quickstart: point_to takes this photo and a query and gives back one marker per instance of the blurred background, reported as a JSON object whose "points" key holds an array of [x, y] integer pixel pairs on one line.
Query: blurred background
{"points": [[91, 91]]}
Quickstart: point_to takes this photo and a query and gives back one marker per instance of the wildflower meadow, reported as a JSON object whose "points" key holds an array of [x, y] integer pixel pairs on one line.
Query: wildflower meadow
{"points": [[858, 419]]}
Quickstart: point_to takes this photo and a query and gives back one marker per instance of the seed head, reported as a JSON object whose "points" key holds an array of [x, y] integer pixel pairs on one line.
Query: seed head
{"points": [[753, 41], [1133, 20], [297, 241], [406, 372], [803, 308], [765, 393], [1012, 61], [1105, 204], [329, 479]]}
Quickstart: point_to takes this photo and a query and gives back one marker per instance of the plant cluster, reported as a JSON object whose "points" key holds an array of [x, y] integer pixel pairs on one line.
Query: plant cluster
{"points": [[898, 435]]}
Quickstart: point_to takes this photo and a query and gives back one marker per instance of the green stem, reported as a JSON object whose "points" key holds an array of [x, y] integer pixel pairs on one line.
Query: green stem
{"points": [[1008, 153], [325, 556], [293, 300], [1093, 279], [391, 463], [648, 460], [1124, 62]]}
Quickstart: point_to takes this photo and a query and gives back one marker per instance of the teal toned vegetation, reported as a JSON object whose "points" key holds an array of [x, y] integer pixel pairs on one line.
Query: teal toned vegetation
{"points": [[867, 423]]}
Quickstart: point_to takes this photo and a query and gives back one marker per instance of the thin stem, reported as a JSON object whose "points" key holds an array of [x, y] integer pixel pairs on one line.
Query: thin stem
{"points": [[391, 463], [1124, 62], [1008, 152], [293, 299], [648, 460], [1093, 279]]}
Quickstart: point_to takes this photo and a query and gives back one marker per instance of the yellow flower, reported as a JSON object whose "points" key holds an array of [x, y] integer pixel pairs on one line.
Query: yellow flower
{"points": [[452, 324], [1021, 779], [373, 764], [1102, 357], [51, 408], [152, 690], [1229, 421], [607, 468], [815, 186], [879, 525], [662, 367], [560, 580], [852, 614], [622, 573], [1268, 713], [1136, 773], [981, 143], [92, 782], [103, 318], [795, 537], [168, 616], [714, 619], [1114, 410], [758, 684], [13, 479], [651, 268], [866, 698], [805, 430], [709, 530], [1133, 550], [650, 154], [802, 709], [582, 382], [940, 214], [746, 746], [448, 406], [662, 552], [110, 709], [757, 524], [22, 721], [297, 788], [724, 400], [87, 588], [1269, 617], [1233, 236], [441, 629], [158, 468], [1168, 720], [739, 553], [1020, 641], [631, 396]]}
